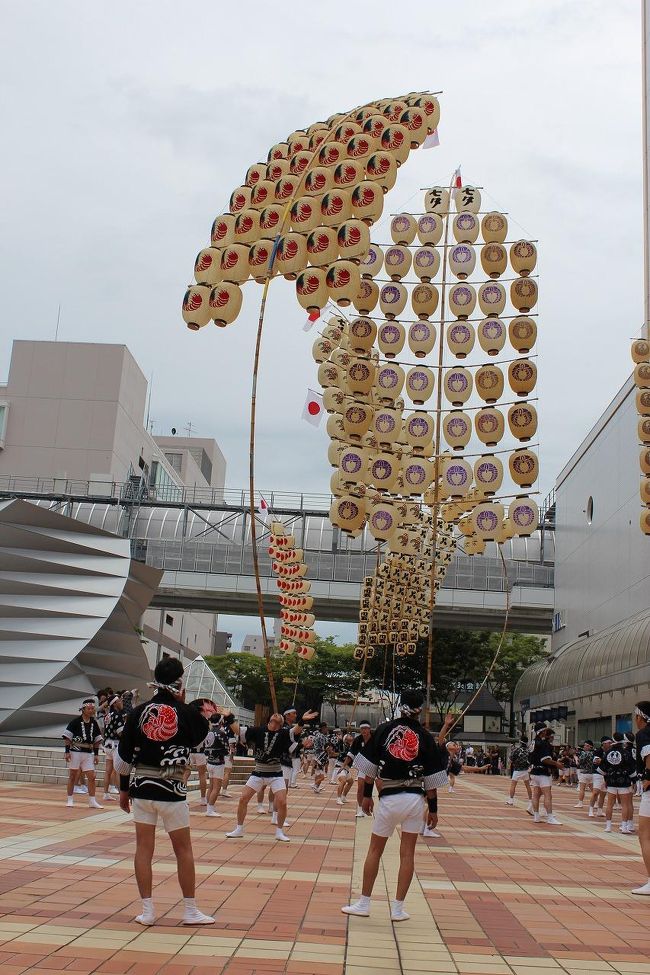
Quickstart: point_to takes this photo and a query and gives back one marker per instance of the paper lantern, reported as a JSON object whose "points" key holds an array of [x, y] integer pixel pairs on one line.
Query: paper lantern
{"points": [[357, 418], [396, 139], [436, 200], [225, 303], [196, 306], [419, 429], [640, 349], [465, 227], [642, 375], [299, 163], [489, 383], [223, 230], [353, 239], [332, 153], [255, 173], [259, 259], [264, 194], [361, 375], [403, 229], [489, 425], [494, 227], [488, 474], [644, 461], [362, 332], [467, 198], [487, 519], [430, 106], [643, 430], [335, 207], [240, 199], [347, 174], [523, 257], [207, 266], [373, 262], [343, 279], [524, 467], [335, 450], [374, 125], [424, 300], [416, 123], [462, 260], [419, 384], [460, 339], [318, 180], [362, 146], [353, 465], [382, 519], [426, 262], [390, 382], [279, 151], [417, 474], [342, 358], [421, 338], [291, 255], [522, 332], [390, 339], [344, 132], [329, 375], [494, 259], [367, 296], [457, 384], [522, 376], [368, 201], [322, 246], [321, 350], [333, 399], [286, 189], [392, 299], [457, 429], [491, 335], [523, 294], [386, 425], [644, 522], [474, 546], [522, 420], [492, 298], [311, 289], [455, 478], [276, 169], [271, 219], [524, 516], [397, 262], [643, 402], [234, 263], [305, 214], [384, 470], [462, 300], [382, 169]]}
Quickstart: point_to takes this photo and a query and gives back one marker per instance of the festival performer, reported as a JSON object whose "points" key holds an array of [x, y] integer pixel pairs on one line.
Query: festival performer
{"points": [[113, 728], [198, 758], [406, 763], [542, 761], [269, 742], [520, 772], [618, 765], [289, 718], [599, 788], [319, 741], [216, 747], [454, 766], [153, 762], [347, 774], [585, 771], [82, 739], [642, 721]]}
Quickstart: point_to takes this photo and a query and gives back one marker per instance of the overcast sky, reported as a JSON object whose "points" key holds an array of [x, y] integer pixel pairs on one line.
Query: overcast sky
{"points": [[127, 125]]}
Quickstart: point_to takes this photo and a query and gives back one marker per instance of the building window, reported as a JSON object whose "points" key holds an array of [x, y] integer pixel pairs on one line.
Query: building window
{"points": [[4, 415], [590, 510], [169, 620], [175, 460], [624, 722]]}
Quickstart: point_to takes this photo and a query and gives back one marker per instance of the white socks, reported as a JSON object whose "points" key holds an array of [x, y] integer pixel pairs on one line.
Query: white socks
{"points": [[281, 835], [211, 811], [70, 801], [236, 832], [148, 915], [397, 912], [192, 915], [361, 907], [92, 802]]}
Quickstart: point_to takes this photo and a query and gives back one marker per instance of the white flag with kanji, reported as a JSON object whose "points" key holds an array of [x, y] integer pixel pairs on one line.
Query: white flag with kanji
{"points": [[313, 409], [431, 140]]}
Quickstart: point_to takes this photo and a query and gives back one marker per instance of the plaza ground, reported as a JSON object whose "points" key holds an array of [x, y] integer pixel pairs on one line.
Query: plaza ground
{"points": [[495, 895]]}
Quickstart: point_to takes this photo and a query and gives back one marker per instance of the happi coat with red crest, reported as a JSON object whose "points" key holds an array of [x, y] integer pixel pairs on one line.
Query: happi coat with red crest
{"points": [[404, 756]]}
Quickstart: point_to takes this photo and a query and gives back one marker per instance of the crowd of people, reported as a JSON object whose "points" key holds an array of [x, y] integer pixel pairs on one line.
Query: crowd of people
{"points": [[152, 748]]}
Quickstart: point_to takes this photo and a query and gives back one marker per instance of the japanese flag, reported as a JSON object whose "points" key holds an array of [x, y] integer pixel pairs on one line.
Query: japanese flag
{"points": [[431, 140], [311, 319], [313, 410], [264, 510], [458, 179]]}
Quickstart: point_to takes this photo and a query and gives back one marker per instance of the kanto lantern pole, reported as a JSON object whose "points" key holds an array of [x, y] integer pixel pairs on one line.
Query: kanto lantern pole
{"points": [[645, 34]]}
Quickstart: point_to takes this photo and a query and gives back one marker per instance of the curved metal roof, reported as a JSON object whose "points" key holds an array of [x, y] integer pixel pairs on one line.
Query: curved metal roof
{"points": [[621, 647]]}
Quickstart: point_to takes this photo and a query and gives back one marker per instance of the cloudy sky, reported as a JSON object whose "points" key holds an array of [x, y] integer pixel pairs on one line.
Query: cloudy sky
{"points": [[127, 125]]}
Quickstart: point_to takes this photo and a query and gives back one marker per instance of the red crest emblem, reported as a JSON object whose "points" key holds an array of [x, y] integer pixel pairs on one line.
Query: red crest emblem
{"points": [[159, 722]]}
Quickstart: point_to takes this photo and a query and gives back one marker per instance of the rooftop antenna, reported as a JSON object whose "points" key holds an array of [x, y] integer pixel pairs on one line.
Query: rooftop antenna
{"points": [[188, 428], [149, 401], [58, 319]]}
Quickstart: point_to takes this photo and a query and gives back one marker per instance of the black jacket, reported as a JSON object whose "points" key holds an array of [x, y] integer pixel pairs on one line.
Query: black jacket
{"points": [[405, 756]]}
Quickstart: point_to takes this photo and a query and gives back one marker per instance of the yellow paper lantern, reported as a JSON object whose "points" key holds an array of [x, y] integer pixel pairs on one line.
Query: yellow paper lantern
{"points": [[524, 516], [436, 200], [424, 300], [522, 332], [368, 201], [335, 450], [322, 246], [640, 350], [403, 229], [390, 382], [247, 227], [240, 199], [421, 338], [279, 151], [382, 169], [644, 521], [390, 339], [382, 519], [271, 219], [417, 474], [462, 300], [223, 230], [362, 332], [259, 259], [457, 429], [523, 294], [332, 154], [255, 173], [207, 266], [367, 296], [457, 385], [353, 239], [354, 465], [321, 350], [396, 140], [361, 375], [524, 467], [291, 255], [305, 213], [416, 123], [311, 289], [487, 519], [489, 383], [392, 299], [644, 461], [465, 228], [492, 298], [426, 262], [460, 339], [348, 173], [384, 470], [523, 257], [343, 279], [335, 207], [462, 260], [419, 428], [494, 259], [489, 425], [386, 425], [642, 375], [467, 198], [333, 399], [234, 263], [329, 374], [522, 376], [491, 335], [319, 180], [494, 227], [276, 169], [419, 384], [522, 420], [196, 306], [488, 474], [455, 478], [299, 163], [643, 402], [362, 146], [225, 303], [643, 430], [263, 194], [397, 262], [373, 262]]}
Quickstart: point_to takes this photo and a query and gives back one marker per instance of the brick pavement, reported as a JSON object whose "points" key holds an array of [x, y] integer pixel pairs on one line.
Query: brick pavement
{"points": [[496, 894]]}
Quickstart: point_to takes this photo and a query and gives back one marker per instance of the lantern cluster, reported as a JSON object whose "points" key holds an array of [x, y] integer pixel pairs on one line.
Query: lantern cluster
{"points": [[396, 602], [305, 213], [641, 360], [287, 562]]}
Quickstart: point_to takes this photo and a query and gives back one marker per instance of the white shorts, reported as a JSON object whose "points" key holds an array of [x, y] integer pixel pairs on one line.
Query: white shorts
{"points": [[522, 776], [541, 781], [110, 746], [585, 778], [82, 760], [598, 782], [614, 790], [286, 774], [258, 782], [173, 815], [403, 809], [198, 760], [644, 806], [228, 761], [216, 771]]}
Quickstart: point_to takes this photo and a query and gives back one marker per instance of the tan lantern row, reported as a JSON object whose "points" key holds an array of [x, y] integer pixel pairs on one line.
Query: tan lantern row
{"points": [[289, 569]]}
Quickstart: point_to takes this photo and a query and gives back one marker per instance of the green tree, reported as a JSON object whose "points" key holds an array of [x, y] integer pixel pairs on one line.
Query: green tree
{"points": [[518, 652], [244, 675]]}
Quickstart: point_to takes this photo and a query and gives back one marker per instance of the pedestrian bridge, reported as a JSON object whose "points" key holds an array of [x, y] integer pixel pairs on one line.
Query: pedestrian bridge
{"points": [[201, 539]]}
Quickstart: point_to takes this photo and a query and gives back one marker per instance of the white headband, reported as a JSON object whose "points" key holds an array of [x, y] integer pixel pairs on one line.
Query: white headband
{"points": [[409, 711], [175, 688], [641, 714]]}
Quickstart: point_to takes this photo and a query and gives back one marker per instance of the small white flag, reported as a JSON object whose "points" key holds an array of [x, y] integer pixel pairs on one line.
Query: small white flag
{"points": [[313, 410], [264, 510], [311, 319], [431, 140]]}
